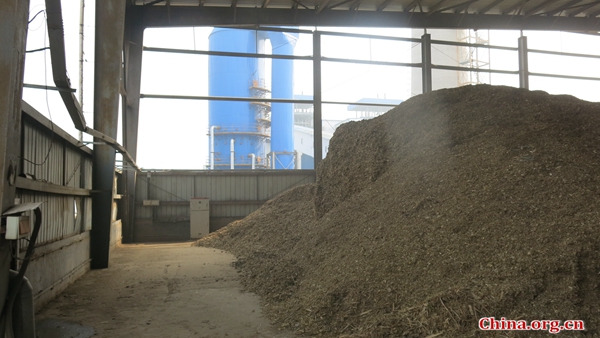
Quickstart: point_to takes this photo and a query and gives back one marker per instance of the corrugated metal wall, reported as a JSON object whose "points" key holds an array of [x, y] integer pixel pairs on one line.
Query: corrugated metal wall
{"points": [[59, 219], [51, 159], [231, 194], [48, 157]]}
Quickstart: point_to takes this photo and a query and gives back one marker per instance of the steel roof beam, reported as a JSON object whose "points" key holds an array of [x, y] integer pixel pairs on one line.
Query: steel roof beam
{"points": [[157, 16]]}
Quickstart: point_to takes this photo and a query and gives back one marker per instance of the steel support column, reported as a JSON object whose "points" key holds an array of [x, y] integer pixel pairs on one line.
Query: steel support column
{"points": [[110, 18], [133, 48], [317, 109], [523, 63], [13, 35], [426, 61]]}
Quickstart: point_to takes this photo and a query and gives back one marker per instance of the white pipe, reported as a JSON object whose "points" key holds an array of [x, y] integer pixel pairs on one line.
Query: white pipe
{"points": [[212, 146], [232, 156], [253, 157], [273, 160], [298, 159]]}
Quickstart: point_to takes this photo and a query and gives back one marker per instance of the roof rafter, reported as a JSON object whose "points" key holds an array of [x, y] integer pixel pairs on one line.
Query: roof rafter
{"points": [[539, 7], [435, 7], [322, 6], [383, 5], [583, 8], [488, 7], [298, 3], [411, 6], [152, 3], [355, 5], [339, 4], [518, 6], [562, 8], [593, 14], [460, 7]]}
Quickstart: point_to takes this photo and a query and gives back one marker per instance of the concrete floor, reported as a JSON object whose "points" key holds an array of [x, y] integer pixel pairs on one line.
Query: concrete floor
{"points": [[158, 290]]}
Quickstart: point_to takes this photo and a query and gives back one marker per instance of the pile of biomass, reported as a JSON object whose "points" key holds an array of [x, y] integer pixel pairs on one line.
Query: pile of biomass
{"points": [[458, 204]]}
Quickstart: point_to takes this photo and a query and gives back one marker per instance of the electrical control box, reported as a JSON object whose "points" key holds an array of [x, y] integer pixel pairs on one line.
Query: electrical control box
{"points": [[199, 217], [12, 227]]}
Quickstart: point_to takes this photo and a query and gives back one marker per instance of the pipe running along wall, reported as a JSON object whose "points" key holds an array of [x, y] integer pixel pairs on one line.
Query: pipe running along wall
{"points": [[257, 127]]}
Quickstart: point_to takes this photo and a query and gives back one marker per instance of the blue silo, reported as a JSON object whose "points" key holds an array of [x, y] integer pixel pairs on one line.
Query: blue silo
{"points": [[252, 125], [282, 114]]}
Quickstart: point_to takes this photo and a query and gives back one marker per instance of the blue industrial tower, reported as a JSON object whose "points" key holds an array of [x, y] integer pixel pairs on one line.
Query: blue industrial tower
{"points": [[245, 135]]}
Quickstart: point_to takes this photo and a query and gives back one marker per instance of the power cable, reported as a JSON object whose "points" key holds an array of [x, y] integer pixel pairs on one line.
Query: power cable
{"points": [[47, 101], [35, 16], [37, 50]]}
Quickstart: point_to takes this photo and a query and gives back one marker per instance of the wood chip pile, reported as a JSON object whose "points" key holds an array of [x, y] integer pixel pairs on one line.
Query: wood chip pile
{"points": [[458, 204]]}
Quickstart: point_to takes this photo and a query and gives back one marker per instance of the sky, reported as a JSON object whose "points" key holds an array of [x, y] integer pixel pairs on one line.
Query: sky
{"points": [[173, 133]]}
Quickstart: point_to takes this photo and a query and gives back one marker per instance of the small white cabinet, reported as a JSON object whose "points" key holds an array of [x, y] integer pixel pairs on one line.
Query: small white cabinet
{"points": [[199, 217]]}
